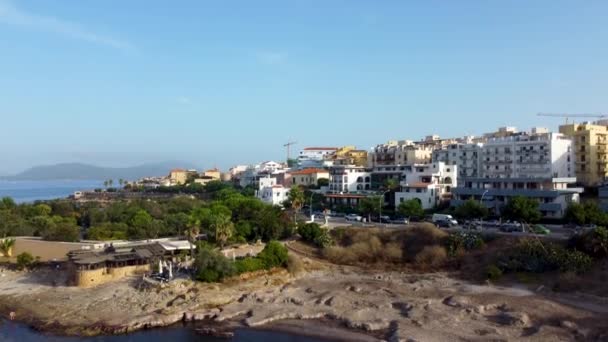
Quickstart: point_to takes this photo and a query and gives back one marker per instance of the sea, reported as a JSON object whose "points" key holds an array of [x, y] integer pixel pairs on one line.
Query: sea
{"points": [[16, 332], [30, 191]]}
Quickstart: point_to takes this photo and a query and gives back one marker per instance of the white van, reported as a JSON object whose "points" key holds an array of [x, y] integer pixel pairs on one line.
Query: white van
{"points": [[444, 217]]}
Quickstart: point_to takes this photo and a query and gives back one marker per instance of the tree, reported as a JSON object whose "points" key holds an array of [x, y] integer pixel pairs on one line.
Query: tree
{"points": [[391, 184], [322, 182], [6, 247], [121, 182], [471, 209], [212, 266], [411, 208], [110, 182], [7, 203], [576, 213], [106, 183], [370, 205], [521, 208], [63, 231], [274, 255], [296, 198], [223, 228]]}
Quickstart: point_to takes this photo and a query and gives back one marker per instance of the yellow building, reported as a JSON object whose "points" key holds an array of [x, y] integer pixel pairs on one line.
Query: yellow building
{"points": [[590, 142], [308, 177], [349, 155], [178, 176], [213, 173]]}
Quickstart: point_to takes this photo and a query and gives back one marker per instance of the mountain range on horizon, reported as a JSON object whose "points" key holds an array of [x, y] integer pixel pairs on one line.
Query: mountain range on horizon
{"points": [[82, 171]]}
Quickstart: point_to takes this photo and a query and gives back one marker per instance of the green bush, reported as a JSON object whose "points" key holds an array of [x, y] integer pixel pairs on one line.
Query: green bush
{"points": [[594, 242], [248, 265], [463, 241], [24, 260], [493, 272], [211, 266], [534, 256], [274, 255], [310, 231]]}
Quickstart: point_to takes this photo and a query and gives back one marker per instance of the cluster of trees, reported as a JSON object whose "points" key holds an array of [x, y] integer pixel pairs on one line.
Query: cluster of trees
{"points": [[230, 216], [52, 221], [587, 213]]}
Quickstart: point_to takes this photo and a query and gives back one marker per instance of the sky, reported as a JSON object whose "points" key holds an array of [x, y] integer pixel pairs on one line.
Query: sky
{"points": [[218, 83]]}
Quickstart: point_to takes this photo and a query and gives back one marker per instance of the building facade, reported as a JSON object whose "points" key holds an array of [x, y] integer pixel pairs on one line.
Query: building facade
{"points": [[308, 177], [269, 191], [431, 184], [314, 157], [349, 179], [403, 152], [590, 144]]}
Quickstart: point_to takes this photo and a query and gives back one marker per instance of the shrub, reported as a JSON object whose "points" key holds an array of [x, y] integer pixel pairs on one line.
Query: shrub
{"points": [[248, 265], [493, 272], [294, 264], [393, 252], [313, 233], [594, 242], [463, 241], [431, 256], [211, 266], [24, 260], [421, 236], [534, 256], [274, 255]]}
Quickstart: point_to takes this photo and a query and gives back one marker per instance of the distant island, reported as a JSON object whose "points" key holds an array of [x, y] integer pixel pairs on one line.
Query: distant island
{"points": [[80, 171]]}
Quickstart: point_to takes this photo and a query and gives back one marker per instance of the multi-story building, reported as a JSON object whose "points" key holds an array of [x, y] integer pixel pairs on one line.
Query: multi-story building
{"points": [[180, 176], [430, 184], [553, 194], [308, 177], [590, 144], [270, 192], [349, 155], [252, 175], [464, 155], [314, 156], [403, 152], [538, 165], [213, 173], [349, 179]]}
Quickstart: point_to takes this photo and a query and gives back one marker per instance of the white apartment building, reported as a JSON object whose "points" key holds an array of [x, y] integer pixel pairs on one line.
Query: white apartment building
{"points": [[254, 173], [538, 154], [349, 179], [430, 184], [465, 156], [270, 192], [314, 157]]}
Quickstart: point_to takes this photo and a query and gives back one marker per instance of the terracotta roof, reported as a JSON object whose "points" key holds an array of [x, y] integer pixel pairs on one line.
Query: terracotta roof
{"points": [[308, 171], [178, 170], [418, 185], [320, 148], [345, 196]]}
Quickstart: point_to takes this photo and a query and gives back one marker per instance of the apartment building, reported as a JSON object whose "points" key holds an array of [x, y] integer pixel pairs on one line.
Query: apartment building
{"points": [[430, 184], [536, 164], [314, 157], [349, 179], [590, 144], [308, 177], [269, 191], [403, 152], [180, 176], [349, 155], [463, 155]]}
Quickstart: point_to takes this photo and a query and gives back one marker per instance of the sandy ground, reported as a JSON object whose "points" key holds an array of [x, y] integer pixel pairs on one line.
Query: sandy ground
{"points": [[390, 306]]}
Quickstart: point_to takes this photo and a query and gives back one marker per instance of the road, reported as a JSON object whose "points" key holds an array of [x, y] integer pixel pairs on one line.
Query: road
{"points": [[557, 232]]}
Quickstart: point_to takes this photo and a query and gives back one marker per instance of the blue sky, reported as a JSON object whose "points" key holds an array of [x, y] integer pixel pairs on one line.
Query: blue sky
{"points": [[118, 83]]}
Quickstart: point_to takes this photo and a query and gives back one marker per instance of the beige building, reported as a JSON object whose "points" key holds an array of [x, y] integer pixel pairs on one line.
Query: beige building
{"points": [[590, 141], [349, 155], [403, 152], [308, 177], [178, 176], [213, 173]]}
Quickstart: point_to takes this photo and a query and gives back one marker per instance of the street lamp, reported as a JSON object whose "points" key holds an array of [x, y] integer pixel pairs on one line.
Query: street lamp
{"points": [[481, 203]]}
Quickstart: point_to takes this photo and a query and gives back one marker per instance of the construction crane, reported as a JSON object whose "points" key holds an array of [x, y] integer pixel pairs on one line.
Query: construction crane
{"points": [[568, 115], [288, 146]]}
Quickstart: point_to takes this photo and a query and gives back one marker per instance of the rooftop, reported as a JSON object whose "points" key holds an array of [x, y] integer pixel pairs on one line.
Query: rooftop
{"points": [[320, 148], [309, 171]]}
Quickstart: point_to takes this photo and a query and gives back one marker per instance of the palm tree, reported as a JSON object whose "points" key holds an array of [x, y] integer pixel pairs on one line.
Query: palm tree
{"points": [[121, 182], [296, 198], [105, 184], [192, 233], [6, 247], [223, 227], [110, 182]]}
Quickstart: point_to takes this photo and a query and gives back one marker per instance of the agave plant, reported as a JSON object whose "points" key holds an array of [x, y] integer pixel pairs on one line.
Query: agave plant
{"points": [[6, 247]]}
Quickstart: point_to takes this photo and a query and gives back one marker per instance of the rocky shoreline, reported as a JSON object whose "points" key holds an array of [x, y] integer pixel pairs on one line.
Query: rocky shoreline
{"points": [[392, 306]]}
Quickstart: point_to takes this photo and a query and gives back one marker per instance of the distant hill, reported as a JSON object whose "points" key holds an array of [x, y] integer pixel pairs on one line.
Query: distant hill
{"points": [[76, 171]]}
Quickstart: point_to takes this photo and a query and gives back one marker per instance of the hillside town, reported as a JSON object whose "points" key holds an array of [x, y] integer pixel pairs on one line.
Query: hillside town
{"points": [[553, 168]]}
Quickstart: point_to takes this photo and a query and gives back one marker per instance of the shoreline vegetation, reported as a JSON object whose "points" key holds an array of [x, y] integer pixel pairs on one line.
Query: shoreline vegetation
{"points": [[418, 283]]}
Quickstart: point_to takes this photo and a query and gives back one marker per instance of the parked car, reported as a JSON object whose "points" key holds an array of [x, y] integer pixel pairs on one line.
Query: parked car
{"points": [[444, 224], [509, 227], [400, 220], [353, 217], [444, 217], [473, 225], [539, 229]]}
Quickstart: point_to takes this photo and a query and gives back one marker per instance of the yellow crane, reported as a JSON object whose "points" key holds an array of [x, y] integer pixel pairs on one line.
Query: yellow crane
{"points": [[569, 115]]}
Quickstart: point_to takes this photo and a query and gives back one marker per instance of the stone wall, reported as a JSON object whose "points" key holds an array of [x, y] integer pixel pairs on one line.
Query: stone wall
{"points": [[90, 278]]}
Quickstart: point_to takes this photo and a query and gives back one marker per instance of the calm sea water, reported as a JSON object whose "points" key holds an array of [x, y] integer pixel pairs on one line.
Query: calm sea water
{"points": [[15, 332], [29, 191]]}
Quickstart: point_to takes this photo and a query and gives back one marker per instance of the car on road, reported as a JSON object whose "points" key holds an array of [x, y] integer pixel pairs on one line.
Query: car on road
{"points": [[510, 227], [444, 217], [444, 224], [353, 217], [400, 220], [539, 229]]}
